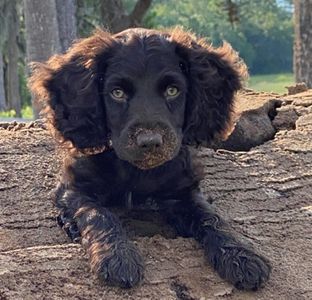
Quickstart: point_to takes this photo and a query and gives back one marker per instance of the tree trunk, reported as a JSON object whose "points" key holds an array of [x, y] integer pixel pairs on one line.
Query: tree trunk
{"points": [[42, 35], [2, 90], [14, 99], [303, 38], [115, 18], [66, 17]]}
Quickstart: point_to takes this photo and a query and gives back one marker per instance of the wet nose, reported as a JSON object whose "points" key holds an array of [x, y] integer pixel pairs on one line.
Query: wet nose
{"points": [[149, 141]]}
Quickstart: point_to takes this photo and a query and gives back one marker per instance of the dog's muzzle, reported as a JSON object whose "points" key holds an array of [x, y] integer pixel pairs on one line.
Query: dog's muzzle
{"points": [[149, 148]]}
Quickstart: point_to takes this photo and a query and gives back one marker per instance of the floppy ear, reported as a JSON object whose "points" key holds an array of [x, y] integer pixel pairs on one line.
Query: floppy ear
{"points": [[214, 75], [68, 88]]}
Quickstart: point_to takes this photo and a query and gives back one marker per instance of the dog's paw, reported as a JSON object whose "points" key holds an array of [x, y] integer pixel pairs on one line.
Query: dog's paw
{"points": [[124, 267], [69, 226], [242, 267]]}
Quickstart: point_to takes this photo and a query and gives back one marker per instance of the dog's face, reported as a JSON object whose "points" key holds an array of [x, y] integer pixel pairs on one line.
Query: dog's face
{"points": [[145, 95], [145, 92]]}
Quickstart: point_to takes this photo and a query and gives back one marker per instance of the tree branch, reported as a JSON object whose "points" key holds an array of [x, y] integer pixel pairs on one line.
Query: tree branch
{"points": [[139, 11]]}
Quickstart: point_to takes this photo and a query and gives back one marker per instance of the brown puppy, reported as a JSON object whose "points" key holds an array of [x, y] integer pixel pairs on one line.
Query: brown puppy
{"points": [[132, 102]]}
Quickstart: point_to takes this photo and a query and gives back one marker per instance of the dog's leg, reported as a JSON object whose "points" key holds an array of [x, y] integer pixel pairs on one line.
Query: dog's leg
{"points": [[233, 260], [113, 257]]}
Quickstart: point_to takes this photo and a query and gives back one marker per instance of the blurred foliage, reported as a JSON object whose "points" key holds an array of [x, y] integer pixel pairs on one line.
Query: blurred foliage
{"points": [[262, 31], [88, 16], [27, 113], [24, 92], [8, 114]]}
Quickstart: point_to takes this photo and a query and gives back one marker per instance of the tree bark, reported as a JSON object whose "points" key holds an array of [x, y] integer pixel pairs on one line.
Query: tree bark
{"points": [[42, 34], [14, 100], [116, 19], [66, 17], [2, 90], [303, 45]]}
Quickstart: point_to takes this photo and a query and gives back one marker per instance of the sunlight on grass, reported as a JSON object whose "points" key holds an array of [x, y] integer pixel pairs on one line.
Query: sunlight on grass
{"points": [[27, 113], [271, 83], [7, 114]]}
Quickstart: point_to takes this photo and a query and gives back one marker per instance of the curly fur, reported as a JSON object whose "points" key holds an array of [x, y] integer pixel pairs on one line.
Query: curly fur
{"points": [[137, 145], [214, 74]]}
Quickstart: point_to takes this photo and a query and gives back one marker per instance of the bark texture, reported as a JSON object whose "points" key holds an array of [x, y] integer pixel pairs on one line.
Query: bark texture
{"points": [[303, 45], [14, 100], [265, 193], [66, 19], [2, 89], [116, 19], [42, 38], [42, 35]]}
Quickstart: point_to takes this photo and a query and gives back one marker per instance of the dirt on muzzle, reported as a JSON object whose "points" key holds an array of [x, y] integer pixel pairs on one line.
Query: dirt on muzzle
{"points": [[156, 156]]}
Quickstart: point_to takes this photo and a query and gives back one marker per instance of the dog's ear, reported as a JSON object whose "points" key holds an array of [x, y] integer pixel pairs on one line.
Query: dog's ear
{"points": [[214, 75], [68, 90]]}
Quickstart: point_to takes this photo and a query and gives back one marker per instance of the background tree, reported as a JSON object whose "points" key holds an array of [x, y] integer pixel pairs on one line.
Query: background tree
{"points": [[262, 31], [3, 40], [48, 30], [113, 15], [66, 19], [2, 92], [303, 42], [115, 18], [9, 81], [12, 59]]}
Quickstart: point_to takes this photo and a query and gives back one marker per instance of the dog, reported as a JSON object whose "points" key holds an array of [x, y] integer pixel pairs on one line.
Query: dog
{"points": [[126, 107]]}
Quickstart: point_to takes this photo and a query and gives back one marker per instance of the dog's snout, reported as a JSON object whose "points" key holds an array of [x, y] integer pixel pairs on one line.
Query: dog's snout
{"points": [[149, 140]]}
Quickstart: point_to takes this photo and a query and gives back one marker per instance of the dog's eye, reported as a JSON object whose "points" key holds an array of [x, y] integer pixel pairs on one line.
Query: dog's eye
{"points": [[171, 91], [118, 94]]}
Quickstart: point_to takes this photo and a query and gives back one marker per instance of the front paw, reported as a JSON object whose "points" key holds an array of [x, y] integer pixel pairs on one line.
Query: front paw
{"points": [[124, 266], [242, 267], [69, 226]]}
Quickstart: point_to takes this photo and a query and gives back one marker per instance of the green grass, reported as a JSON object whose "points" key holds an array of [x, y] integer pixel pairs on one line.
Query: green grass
{"points": [[271, 83], [27, 113]]}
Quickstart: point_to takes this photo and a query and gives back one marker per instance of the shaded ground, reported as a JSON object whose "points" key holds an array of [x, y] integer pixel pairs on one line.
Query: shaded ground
{"points": [[265, 193]]}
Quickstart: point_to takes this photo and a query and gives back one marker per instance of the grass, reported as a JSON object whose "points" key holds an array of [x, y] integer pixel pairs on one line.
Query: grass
{"points": [[271, 83], [27, 113], [262, 83]]}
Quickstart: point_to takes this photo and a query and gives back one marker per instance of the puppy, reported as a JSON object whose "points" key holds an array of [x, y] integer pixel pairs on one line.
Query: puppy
{"points": [[125, 107]]}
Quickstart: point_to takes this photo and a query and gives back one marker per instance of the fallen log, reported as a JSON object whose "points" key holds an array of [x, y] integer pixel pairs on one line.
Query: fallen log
{"points": [[265, 193]]}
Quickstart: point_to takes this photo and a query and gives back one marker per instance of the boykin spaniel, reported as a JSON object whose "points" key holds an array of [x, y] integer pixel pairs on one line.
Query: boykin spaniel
{"points": [[126, 107]]}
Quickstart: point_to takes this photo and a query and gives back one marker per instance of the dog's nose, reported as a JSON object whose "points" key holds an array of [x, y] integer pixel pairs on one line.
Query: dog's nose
{"points": [[149, 141]]}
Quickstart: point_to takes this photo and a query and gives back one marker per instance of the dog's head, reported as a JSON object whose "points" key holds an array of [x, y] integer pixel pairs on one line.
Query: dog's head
{"points": [[144, 92]]}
